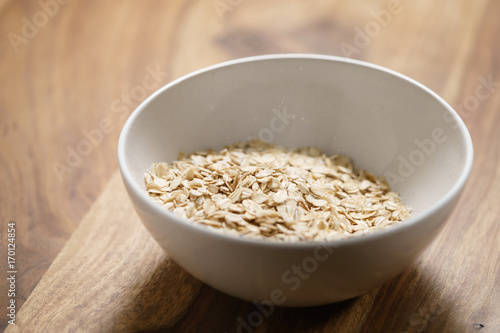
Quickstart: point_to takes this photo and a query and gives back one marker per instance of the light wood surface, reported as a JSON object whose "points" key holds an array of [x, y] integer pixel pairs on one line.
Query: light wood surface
{"points": [[85, 262]]}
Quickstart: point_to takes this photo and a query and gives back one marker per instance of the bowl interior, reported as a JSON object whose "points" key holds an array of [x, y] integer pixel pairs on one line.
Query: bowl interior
{"points": [[388, 124]]}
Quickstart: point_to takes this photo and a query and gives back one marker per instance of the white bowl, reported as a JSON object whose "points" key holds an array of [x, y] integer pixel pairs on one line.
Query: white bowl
{"points": [[388, 123]]}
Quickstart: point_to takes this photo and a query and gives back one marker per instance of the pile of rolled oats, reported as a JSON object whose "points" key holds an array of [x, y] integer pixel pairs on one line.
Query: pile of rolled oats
{"points": [[264, 191]]}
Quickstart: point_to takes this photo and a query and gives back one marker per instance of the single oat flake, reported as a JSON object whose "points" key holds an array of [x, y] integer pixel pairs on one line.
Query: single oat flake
{"points": [[261, 190]]}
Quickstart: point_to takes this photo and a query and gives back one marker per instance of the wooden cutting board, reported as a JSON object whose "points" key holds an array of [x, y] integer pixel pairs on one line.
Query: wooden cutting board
{"points": [[112, 276]]}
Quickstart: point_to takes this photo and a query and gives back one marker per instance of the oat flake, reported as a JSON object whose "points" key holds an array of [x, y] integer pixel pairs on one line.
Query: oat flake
{"points": [[264, 191]]}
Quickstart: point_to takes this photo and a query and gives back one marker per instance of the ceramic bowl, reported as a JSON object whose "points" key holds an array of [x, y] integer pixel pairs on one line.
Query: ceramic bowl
{"points": [[386, 122]]}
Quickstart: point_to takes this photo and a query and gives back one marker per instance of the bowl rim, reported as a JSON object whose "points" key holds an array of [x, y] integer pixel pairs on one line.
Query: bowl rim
{"points": [[435, 207]]}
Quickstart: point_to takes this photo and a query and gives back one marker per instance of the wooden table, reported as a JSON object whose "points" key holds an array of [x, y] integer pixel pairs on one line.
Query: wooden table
{"points": [[72, 71]]}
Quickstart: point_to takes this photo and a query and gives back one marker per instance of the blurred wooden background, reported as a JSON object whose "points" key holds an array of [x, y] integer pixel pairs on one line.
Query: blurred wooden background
{"points": [[72, 71]]}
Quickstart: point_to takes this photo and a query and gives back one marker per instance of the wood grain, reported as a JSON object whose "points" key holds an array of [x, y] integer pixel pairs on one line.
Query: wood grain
{"points": [[110, 276], [83, 65]]}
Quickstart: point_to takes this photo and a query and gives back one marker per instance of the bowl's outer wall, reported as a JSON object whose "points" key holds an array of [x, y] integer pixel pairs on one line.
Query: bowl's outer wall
{"points": [[328, 272], [388, 124]]}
